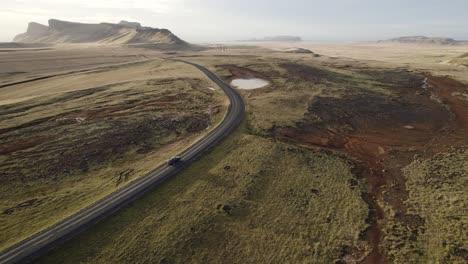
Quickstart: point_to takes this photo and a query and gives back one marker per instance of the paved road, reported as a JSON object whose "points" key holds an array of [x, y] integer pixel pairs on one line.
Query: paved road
{"points": [[57, 234]]}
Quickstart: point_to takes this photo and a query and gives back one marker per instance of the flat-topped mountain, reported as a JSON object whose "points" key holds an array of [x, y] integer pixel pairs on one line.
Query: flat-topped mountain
{"points": [[422, 40], [106, 33]]}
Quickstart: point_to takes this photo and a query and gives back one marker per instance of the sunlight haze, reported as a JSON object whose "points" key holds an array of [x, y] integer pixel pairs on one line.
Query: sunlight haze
{"points": [[211, 20]]}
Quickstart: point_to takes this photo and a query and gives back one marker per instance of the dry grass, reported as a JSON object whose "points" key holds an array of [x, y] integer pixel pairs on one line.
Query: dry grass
{"points": [[257, 199], [439, 60], [109, 75], [64, 149], [437, 193], [23, 64], [250, 200]]}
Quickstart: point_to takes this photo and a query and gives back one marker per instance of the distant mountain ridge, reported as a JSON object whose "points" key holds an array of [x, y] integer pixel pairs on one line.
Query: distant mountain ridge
{"points": [[422, 40], [106, 33]]}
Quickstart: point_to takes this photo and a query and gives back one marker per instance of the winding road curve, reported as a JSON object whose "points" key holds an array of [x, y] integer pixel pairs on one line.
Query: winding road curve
{"points": [[55, 235]]}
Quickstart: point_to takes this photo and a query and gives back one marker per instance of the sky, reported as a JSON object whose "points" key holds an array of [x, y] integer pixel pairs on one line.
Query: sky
{"points": [[228, 20]]}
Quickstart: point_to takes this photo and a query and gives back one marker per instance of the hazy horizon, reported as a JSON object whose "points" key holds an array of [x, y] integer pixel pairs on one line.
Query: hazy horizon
{"points": [[209, 20]]}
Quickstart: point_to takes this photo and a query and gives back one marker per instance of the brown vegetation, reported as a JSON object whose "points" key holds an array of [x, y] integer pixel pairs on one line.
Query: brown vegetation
{"points": [[62, 151], [382, 133]]}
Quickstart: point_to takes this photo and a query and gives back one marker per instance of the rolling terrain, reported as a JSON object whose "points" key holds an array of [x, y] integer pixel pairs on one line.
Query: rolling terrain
{"points": [[354, 156], [336, 162], [72, 138], [39, 243]]}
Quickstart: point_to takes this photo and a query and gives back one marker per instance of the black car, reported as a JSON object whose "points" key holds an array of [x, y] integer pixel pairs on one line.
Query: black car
{"points": [[173, 160]]}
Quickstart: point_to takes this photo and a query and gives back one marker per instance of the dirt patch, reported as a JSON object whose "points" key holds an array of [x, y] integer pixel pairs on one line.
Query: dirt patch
{"points": [[31, 142], [381, 134], [369, 125], [447, 90], [242, 72]]}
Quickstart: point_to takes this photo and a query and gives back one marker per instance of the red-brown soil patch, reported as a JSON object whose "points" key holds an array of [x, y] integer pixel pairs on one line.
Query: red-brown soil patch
{"points": [[382, 134], [446, 89], [31, 142], [242, 72]]}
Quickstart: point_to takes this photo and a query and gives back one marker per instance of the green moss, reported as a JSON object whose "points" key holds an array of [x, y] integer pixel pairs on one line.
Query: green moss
{"points": [[437, 194]]}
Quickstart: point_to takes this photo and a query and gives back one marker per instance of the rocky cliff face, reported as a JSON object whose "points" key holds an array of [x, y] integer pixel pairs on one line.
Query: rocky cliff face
{"points": [[36, 28], [34, 31], [106, 33]]}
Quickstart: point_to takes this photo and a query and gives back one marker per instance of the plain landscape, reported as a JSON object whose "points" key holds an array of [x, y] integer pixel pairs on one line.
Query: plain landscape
{"points": [[347, 154]]}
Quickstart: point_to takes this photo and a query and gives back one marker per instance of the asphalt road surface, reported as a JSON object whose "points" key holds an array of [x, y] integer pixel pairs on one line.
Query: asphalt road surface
{"points": [[55, 235]]}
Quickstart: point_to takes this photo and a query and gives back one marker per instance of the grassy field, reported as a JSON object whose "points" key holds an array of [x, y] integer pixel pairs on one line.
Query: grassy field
{"points": [[252, 199], [336, 162], [20, 64], [437, 193], [72, 144]]}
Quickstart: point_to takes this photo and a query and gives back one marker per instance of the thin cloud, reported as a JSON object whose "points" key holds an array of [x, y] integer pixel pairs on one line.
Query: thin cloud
{"points": [[197, 20]]}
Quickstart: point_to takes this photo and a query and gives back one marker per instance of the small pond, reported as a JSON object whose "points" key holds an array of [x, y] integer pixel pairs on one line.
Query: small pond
{"points": [[249, 84]]}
